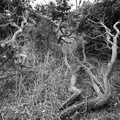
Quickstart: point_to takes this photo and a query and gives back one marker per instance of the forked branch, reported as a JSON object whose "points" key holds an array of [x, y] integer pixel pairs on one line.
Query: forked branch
{"points": [[20, 29]]}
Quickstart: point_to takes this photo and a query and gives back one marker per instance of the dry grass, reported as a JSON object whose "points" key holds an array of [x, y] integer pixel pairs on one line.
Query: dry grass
{"points": [[38, 91], [38, 87]]}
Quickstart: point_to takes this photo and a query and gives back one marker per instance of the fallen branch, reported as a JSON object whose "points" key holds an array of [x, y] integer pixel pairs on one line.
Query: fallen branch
{"points": [[82, 107], [70, 101]]}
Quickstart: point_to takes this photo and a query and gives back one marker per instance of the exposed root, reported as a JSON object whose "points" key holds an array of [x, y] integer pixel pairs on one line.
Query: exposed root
{"points": [[82, 107]]}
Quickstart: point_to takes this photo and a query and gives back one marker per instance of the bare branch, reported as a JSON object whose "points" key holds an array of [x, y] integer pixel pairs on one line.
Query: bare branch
{"points": [[114, 48], [94, 79], [108, 39], [83, 51], [107, 29], [101, 35], [20, 29], [115, 27], [113, 56], [4, 25]]}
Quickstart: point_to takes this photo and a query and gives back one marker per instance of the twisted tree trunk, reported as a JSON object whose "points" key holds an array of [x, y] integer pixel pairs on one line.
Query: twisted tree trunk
{"points": [[102, 98]]}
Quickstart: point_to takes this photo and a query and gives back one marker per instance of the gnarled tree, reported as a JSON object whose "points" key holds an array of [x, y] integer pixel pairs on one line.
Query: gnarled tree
{"points": [[98, 30]]}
